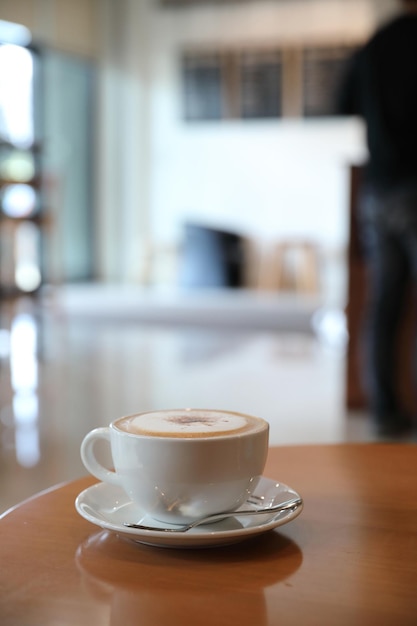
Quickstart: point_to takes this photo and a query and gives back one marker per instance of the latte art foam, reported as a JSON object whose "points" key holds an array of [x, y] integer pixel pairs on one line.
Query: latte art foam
{"points": [[190, 423]]}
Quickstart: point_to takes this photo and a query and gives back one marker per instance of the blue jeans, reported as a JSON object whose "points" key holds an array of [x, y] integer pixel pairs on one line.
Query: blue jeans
{"points": [[388, 228]]}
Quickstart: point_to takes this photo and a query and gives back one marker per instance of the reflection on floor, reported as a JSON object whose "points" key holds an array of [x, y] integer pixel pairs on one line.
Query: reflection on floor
{"points": [[86, 373]]}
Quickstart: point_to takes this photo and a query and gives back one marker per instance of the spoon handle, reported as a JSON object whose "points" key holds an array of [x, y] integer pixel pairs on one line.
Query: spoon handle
{"points": [[294, 503]]}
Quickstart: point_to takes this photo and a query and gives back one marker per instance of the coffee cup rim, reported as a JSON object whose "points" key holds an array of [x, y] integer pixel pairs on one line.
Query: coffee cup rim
{"points": [[231, 435]]}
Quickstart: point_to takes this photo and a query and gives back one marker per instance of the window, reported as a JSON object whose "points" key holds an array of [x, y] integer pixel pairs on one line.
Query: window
{"points": [[322, 69], [20, 189], [203, 87], [261, 84]]}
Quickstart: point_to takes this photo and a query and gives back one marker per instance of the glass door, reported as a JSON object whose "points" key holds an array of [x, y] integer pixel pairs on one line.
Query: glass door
{"points": [[68, 162]]}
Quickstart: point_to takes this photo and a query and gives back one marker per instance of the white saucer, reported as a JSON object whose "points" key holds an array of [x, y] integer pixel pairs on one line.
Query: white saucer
{"points": [[109, 507]]}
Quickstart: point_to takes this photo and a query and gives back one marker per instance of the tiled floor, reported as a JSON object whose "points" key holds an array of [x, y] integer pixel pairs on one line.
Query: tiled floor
{"points": [[90, 372]]}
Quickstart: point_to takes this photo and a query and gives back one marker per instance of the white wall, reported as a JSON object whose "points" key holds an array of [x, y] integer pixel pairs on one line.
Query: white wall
{"points": [[271, 180]]}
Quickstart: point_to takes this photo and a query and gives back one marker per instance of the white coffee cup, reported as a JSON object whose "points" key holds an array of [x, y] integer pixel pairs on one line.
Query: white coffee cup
{"points": [[180, 464]]}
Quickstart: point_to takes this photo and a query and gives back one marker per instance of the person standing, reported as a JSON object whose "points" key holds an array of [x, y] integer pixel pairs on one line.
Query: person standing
{"points": [[380, 86]]}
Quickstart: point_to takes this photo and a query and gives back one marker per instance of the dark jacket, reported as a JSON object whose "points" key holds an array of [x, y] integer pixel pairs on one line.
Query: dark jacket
{"points": [[381, 87]]}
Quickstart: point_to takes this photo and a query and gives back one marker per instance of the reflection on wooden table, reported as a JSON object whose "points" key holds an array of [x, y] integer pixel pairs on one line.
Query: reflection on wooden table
{"points": [[349, 558]]}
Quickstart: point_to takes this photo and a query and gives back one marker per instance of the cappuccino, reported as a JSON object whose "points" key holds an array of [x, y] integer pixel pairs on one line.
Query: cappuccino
{"points": [[190, 423], [181, 464]]}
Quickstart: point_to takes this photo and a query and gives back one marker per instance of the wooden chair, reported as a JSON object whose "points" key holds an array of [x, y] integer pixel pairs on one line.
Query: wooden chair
{"points": [[291, 265]]}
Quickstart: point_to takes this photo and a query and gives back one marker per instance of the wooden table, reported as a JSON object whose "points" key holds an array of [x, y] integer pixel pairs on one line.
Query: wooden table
{"points": [[349, 558]]}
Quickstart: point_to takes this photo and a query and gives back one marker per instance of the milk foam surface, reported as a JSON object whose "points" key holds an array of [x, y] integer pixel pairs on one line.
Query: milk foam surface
{"points": [[189, 423]]}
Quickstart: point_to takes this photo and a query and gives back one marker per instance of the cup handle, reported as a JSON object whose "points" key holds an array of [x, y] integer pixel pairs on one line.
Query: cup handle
{"points": [[89, 458]]}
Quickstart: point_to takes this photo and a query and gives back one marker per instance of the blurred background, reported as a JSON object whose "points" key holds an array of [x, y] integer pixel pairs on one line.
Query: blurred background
{"points": [[175, 198]]}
